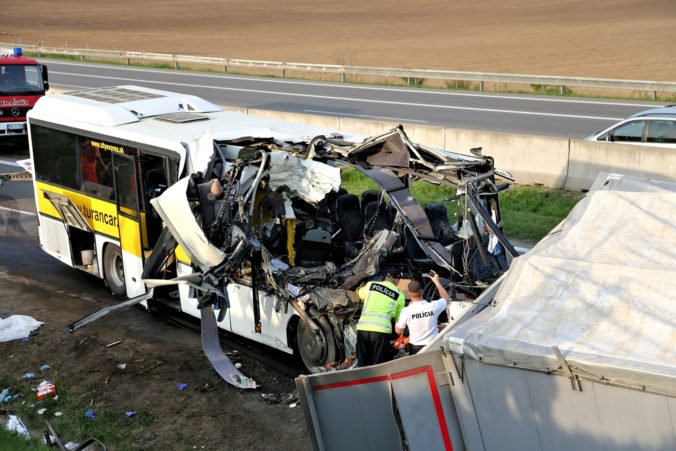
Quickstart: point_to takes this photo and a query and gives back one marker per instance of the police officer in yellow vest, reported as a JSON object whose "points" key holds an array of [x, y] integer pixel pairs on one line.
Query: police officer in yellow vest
{"points": [[383, 302]]}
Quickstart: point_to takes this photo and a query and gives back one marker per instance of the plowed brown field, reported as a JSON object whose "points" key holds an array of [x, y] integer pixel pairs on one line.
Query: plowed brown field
{"points": [[630, 39]]}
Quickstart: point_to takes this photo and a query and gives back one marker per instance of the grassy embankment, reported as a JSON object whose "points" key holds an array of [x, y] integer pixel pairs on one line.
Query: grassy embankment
{"points": [[528, 212], [72, 425]]}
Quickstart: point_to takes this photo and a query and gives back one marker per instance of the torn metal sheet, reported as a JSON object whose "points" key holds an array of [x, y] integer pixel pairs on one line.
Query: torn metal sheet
{"points": [[174, 209], [110, 309], [212, 349], [331, 298]]}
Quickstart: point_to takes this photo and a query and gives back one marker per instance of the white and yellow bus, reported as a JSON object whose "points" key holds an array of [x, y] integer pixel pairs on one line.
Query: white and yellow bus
{"points": [[116, 169]]}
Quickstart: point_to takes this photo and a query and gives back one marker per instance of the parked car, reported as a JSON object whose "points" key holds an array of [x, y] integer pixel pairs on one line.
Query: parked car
{"points": [[654, 127]]}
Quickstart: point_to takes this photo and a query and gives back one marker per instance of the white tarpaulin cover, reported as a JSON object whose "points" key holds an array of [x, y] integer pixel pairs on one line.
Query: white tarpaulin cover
{"points": [[17, 326], [601, 287]]}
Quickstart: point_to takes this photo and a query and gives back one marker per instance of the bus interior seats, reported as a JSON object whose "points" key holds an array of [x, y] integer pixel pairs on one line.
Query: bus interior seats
{"points": [[441, 227], [368, 196], [323, 208], [155, 182], [377, 217], [414, 252], [351, 221], [314, 248], [327, 207], [457, 251]]}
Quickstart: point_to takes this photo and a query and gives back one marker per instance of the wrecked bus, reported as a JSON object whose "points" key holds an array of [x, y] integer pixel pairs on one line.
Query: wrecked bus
{"points": [[246, 221]]}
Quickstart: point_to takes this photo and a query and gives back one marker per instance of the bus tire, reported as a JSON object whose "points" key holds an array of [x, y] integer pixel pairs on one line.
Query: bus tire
{"points": [[113, 270], [316, 349]]}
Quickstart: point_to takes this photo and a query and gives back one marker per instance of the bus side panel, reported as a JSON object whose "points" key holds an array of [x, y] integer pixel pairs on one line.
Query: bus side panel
{"points": [[133, 268], [101, 215], [273, 323], [54, 239], [101, 242], [130, 241]]}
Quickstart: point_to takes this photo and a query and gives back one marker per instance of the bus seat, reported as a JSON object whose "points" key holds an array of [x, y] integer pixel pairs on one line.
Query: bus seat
{"points": [[441, 227], [376, 217], [351, 221], [368, 196], [315, 248]]}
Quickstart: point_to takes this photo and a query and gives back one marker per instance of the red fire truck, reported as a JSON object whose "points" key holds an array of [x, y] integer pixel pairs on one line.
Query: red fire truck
{"points": [[22, 82]]}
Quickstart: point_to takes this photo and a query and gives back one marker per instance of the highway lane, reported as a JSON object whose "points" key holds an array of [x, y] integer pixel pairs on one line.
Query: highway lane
{"points": [[17, 204], [542, 115]]}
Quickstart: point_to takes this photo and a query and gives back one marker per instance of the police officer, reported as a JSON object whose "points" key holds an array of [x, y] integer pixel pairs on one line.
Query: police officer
{"points": [[420, 316], [383, 301]]}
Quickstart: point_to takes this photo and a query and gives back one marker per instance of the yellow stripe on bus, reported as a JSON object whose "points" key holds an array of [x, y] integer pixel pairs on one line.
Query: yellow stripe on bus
{"points": [[101, 215], [131, 233], [182, 256]]}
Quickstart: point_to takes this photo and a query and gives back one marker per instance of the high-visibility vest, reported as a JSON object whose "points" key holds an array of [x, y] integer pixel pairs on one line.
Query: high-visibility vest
{"points": [[383, 302]]}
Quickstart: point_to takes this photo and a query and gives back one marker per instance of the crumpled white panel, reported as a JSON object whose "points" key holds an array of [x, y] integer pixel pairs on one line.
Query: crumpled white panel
{"points": [[312, 180], [174, 209]]}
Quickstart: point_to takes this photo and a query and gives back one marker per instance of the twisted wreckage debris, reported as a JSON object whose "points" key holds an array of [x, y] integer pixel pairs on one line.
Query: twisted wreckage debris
{"points": [[271, 214]]}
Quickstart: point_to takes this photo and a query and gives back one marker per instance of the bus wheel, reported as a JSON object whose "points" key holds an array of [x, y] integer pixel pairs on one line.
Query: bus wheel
{"points": [[113, 270], [316, 349]]}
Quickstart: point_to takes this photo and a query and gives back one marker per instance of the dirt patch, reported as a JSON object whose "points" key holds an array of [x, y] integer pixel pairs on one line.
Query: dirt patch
{"points": [[625, 39], [139, 374]]}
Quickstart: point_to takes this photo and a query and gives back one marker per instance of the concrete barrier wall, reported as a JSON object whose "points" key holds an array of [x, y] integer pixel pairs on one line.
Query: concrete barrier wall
{"points": [[550, 161], [531, 159], [587, 159]]}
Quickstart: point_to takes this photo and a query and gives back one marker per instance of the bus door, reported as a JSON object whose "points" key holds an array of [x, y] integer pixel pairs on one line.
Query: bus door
{"points": [[126, 195], [80, 233], [157, 173]]}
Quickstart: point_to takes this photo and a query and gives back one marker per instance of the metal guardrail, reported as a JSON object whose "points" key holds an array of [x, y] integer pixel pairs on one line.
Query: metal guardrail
{"points": [[341, 72]]}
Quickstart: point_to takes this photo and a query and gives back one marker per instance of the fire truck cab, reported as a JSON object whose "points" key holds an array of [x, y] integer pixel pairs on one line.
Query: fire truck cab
{"points": [[22, 82]]}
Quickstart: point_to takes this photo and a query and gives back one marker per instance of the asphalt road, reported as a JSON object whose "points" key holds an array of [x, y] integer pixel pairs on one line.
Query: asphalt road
{"points": [[17, 205], [540, 115]]}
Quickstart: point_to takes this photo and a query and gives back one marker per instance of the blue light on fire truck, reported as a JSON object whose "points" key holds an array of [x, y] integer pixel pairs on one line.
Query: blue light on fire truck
{"points": [[18, 51]]}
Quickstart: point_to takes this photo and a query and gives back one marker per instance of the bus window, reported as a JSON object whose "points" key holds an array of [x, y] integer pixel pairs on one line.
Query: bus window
{"points": [[125, 181], [56, 156], [153, 175], [95, 167], [154, 182]]}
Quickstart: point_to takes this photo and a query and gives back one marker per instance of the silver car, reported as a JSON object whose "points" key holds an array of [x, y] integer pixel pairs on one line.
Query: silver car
{"points": [[654, 127]]}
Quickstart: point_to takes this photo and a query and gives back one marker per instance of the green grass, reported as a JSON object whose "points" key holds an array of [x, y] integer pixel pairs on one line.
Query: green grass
{"points": [[108, 426], [528, 212], [10, 441]]}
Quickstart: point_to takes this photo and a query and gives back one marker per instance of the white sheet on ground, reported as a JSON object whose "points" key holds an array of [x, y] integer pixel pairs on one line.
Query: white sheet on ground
{"points": [[601, 287], [15, 424], [17, 326]]}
